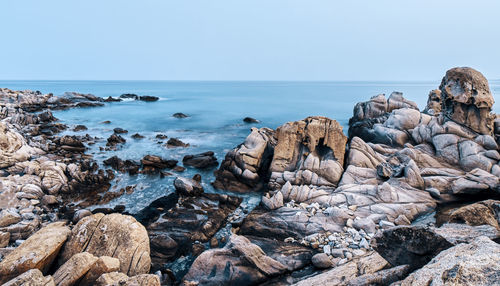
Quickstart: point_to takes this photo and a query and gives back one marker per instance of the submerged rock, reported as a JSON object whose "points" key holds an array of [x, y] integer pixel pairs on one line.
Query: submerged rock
{"points": [[148, 98], [250, 120], [179, 115]]}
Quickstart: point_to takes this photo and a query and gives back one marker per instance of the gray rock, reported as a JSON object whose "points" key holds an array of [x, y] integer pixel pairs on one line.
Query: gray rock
{"points": [[322, 261]]}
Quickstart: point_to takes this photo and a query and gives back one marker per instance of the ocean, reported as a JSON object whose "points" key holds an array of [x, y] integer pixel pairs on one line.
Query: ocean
{"points": [[216, 111]]}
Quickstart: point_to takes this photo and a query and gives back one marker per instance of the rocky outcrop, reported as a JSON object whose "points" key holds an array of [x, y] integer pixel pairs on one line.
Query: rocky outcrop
{"points": [[475, 263], [13, 147], [38, 251], [239, 262], [113, 235]]}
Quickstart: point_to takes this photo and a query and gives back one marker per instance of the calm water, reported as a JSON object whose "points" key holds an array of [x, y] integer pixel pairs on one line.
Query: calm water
{"points": [[216, 110]]}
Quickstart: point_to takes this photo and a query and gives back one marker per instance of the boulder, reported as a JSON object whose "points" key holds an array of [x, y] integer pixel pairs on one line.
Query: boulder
{"points": [[179, 115], [148, 98], [119, 130], [250, 120], [321, 261], [74, 269], [174, 142], [38, 251], [129, 96], [9, 216], [475, 263], [104, 264], [481, 213], [201, 161], [158, 162], [112, 278], [239, 262], [33, 277], [188, 187], [115, 235]]}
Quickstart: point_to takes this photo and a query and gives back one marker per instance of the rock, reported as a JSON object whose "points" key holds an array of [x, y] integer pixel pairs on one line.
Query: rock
{"points": [[467, 100], [411, 245], [74, 269], [38, 251], [477, 214], [158, 162], [114, 235], [187, 187], [115, 139], [33, 277], [433, 102], [49, 200], [476, 263], [250, 120], [201, 161], [143, 280], [174, 142], [111, 99], [179, 115], [79, 214], [245, 168], [13, 147], [239, 261], [321, 261], [382, 277], [461, 233], [137, 136], [148, 98], [106, 122], [4, 239], [104, 264], [112, 278], [129, 96], [119, 130], [80, 128], [8, 217]]}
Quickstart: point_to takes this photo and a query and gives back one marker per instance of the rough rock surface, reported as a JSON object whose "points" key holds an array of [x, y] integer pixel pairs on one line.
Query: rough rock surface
{"points": [[476, 263], [74, 269], [201, 161], [38, 251], [114, 235], [33, 277]]}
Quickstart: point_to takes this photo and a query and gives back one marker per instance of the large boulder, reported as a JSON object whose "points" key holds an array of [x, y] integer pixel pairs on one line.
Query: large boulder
{"points": [[466, 99], [239, 262], [115, 235], [38, 251], [475, 263]]}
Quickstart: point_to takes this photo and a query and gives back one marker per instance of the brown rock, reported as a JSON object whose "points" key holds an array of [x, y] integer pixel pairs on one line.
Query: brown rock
{"points": [[114, 235], [112, 278], [4, 238], [476, 214], [33, 277], [74, 269], [104, 264], [38, 251]]}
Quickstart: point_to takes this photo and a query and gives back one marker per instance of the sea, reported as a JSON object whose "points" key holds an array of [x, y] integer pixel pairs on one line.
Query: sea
{"points": [[216, 110]]}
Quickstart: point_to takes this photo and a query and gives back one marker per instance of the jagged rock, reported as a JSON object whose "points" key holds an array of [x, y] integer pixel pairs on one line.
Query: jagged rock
{"points": [[104, 264], [114, 235], [38, 251], [74, 269], [475, 263], [240, 261], [433, 102], [245, 167], [201, 161], [188, 187], [33, 277], [456, 233], [174, 142], [158, 162], [8, 217], [485, 212], [466, 99]]}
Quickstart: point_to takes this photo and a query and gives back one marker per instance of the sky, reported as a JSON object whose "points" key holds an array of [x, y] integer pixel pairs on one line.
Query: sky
{"points": [[247, 40]]}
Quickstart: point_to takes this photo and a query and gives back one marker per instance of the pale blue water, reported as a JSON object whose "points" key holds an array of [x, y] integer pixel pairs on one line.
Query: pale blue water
{"points": [[216, 111]]}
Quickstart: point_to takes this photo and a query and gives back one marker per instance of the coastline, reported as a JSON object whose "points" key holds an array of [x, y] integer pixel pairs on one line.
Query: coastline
{"points": [[330, 201]]}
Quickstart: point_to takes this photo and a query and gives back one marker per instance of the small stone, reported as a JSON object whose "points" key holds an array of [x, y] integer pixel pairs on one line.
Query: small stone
{"points": [[364, 244], [342, 261], [348, 255], [322, 261], [326, 249], [349, 222], [289, 239], [353, 208], [386, 224], [337, 253], [358, 252]]}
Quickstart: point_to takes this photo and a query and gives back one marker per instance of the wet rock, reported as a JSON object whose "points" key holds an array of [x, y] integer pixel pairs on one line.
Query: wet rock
{"points": [[174, 142], [31, 277], [475, 263], [188, 187], [137, 136], [114, 235], [119, 130], [80, 128], [38, 251], [201, 161], [74, 269], [250, 120], [148, 98], [112, 99], [239, 261], [179, 115], [114, 139], [157, 162], [467, 100], [321, 260], [129, 96], [411, 245], [161, 136]]}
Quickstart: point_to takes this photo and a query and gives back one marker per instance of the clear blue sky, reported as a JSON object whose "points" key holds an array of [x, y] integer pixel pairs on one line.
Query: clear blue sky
{"points": [[247, 40]]}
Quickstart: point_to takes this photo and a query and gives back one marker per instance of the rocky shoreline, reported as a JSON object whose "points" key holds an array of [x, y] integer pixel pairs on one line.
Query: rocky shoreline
{"points": [[335, 209]]}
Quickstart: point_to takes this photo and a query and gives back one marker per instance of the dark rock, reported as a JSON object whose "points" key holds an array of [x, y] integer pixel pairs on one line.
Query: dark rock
{"points": [[119, 130], [322, 261], [106, 122], [412, 245], [201, 161], [148, 98], [111, 99], [129, 95], [174, 142], [80, 128], [179, 115], [158, 162], [178, 169], [115, 139], [250, 120], [137, 136], [161, 136], [481, 213], [187, 187]]}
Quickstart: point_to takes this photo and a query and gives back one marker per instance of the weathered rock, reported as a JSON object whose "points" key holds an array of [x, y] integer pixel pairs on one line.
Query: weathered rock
{"points": [[13, 147], [33, 277], [104, 264], [321, 260], [411, 245], [8, 217], [188, 187], [461, 233], [239, 261], [382, 277], [143, 280], [38, 251], [74, 269], [201, 161], [112, 278], [433, 102], [174, 142], [4, 239], [476, 263], [114, 235], [158, 162], [486, 212], [466, 99]]}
